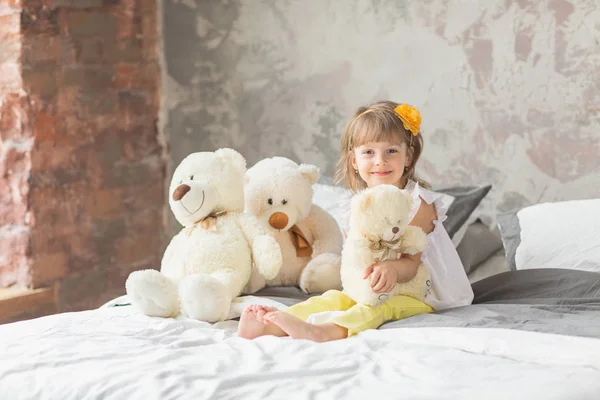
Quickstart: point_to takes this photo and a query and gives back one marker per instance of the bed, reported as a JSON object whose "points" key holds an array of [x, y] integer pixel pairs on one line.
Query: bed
{"points": [[531, 333], [525, 337]]}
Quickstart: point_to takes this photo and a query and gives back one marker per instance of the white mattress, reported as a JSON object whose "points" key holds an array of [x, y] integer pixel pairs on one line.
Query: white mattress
{"points": [[115, 353]]}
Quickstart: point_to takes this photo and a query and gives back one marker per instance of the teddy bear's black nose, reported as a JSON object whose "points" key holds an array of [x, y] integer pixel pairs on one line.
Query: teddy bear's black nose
{"points": [[180, 192], [395, 230]]}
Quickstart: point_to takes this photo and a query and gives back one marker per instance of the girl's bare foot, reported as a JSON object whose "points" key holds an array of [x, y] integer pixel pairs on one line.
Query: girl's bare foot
{"points": [[298, 329], [261, 311], [253, 325]]}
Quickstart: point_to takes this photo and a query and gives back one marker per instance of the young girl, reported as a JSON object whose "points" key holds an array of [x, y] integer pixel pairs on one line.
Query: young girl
{"points": [[381, 145]]}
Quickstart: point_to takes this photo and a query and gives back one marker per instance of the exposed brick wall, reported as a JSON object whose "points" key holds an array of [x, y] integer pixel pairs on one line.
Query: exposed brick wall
{"points": [[95, 198], [15, 152]]}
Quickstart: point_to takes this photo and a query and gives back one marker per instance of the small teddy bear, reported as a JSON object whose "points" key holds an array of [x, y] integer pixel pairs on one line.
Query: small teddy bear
{"points": [[379, 231], [279, 193], [208, 263]]}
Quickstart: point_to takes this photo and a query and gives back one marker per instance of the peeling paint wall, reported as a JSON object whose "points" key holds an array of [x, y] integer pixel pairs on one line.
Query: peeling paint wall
{"points": [[509, 90]]}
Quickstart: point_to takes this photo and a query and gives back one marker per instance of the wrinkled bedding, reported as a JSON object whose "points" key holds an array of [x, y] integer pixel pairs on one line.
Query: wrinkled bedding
{"points": [[549, 301], [531, 334]]}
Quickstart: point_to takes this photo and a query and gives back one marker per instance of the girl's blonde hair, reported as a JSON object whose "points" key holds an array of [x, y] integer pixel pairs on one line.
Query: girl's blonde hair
{"points": [[376, 123]]}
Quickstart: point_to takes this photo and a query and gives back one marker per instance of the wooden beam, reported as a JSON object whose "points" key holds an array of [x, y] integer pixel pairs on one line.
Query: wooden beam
{"points": [[19, 304]]}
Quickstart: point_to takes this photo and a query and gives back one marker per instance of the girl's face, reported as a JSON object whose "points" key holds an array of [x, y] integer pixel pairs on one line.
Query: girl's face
{"points": [[381, 163]]}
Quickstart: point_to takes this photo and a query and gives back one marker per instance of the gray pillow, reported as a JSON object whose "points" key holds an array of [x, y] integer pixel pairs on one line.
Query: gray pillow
{"points": [[478, 244], [539, 286], [510, 232], [467, 198]]}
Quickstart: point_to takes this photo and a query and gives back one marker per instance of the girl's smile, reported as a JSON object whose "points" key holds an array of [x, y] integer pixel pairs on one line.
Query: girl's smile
{"points": [[381, 163], [383, 173]]}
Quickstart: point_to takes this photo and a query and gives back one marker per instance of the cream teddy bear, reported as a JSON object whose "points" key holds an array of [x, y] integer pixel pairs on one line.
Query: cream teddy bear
{"points": [[379, 231], [208, 263], [279, 193]]}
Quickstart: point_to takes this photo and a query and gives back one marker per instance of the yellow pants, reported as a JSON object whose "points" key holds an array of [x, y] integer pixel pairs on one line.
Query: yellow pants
{"points": [[359, 317]]}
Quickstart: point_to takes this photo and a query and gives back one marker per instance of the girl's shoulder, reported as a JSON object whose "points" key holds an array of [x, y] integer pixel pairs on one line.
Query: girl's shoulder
{"points": [[440, 201]]}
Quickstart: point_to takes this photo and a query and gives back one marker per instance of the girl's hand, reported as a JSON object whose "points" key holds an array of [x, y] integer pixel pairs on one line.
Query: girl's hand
{"points": [[383, 276]]}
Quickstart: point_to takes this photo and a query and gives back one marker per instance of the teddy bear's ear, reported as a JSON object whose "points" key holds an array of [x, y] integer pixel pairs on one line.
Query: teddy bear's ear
{"points": [[233, 157], [365, 201], [310, 171]]}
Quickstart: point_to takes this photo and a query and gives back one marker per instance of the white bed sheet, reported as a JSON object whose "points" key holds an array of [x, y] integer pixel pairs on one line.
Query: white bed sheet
{"points": [[115, 353]]}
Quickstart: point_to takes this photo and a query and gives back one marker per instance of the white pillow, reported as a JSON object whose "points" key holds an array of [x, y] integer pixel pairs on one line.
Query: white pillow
{"points": [[336, 201], [560, 235]]}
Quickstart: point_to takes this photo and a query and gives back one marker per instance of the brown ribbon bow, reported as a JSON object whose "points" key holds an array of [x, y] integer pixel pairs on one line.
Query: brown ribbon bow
{"points": [[303, 247], [208, 223], [387, 246]]}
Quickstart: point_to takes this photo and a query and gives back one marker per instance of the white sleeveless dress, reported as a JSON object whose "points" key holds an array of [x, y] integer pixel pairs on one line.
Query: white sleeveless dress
{"points": [[449, 282]]}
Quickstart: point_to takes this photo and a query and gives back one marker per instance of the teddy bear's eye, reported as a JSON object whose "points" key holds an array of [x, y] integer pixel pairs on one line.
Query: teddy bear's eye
{"points": [[270, 201], [284, 201], [191, 177]]}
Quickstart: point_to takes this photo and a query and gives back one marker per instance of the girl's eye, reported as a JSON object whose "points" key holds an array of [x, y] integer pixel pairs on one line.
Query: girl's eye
{"points": [[284, 202], [392, 151], [270, 201], [368, 152]]}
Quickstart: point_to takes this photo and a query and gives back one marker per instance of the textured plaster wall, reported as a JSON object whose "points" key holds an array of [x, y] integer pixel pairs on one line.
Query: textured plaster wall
{"points": [[509, 90]]}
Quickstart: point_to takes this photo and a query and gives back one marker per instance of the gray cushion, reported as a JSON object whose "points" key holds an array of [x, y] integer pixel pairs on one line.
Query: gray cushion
{"points": [[467, 198], [478, 244], [510, 231]]}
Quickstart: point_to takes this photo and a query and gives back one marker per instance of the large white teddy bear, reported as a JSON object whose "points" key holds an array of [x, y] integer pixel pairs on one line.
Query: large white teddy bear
{"points": [[279, 193], [379, 230], [209, 262]]}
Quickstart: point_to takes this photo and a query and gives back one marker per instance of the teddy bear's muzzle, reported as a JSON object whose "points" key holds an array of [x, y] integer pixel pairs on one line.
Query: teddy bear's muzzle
{"points": [[278, 220], [181, 191]]}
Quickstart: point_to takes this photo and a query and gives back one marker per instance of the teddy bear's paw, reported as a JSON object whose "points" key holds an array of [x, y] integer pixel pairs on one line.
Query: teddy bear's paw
{"points": [[359, 290], [414, 240], [317, 247], [204, 298], [152, 293], [267, 256], [374, 299], [418, 286], [321, 274], [255, 283]]}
